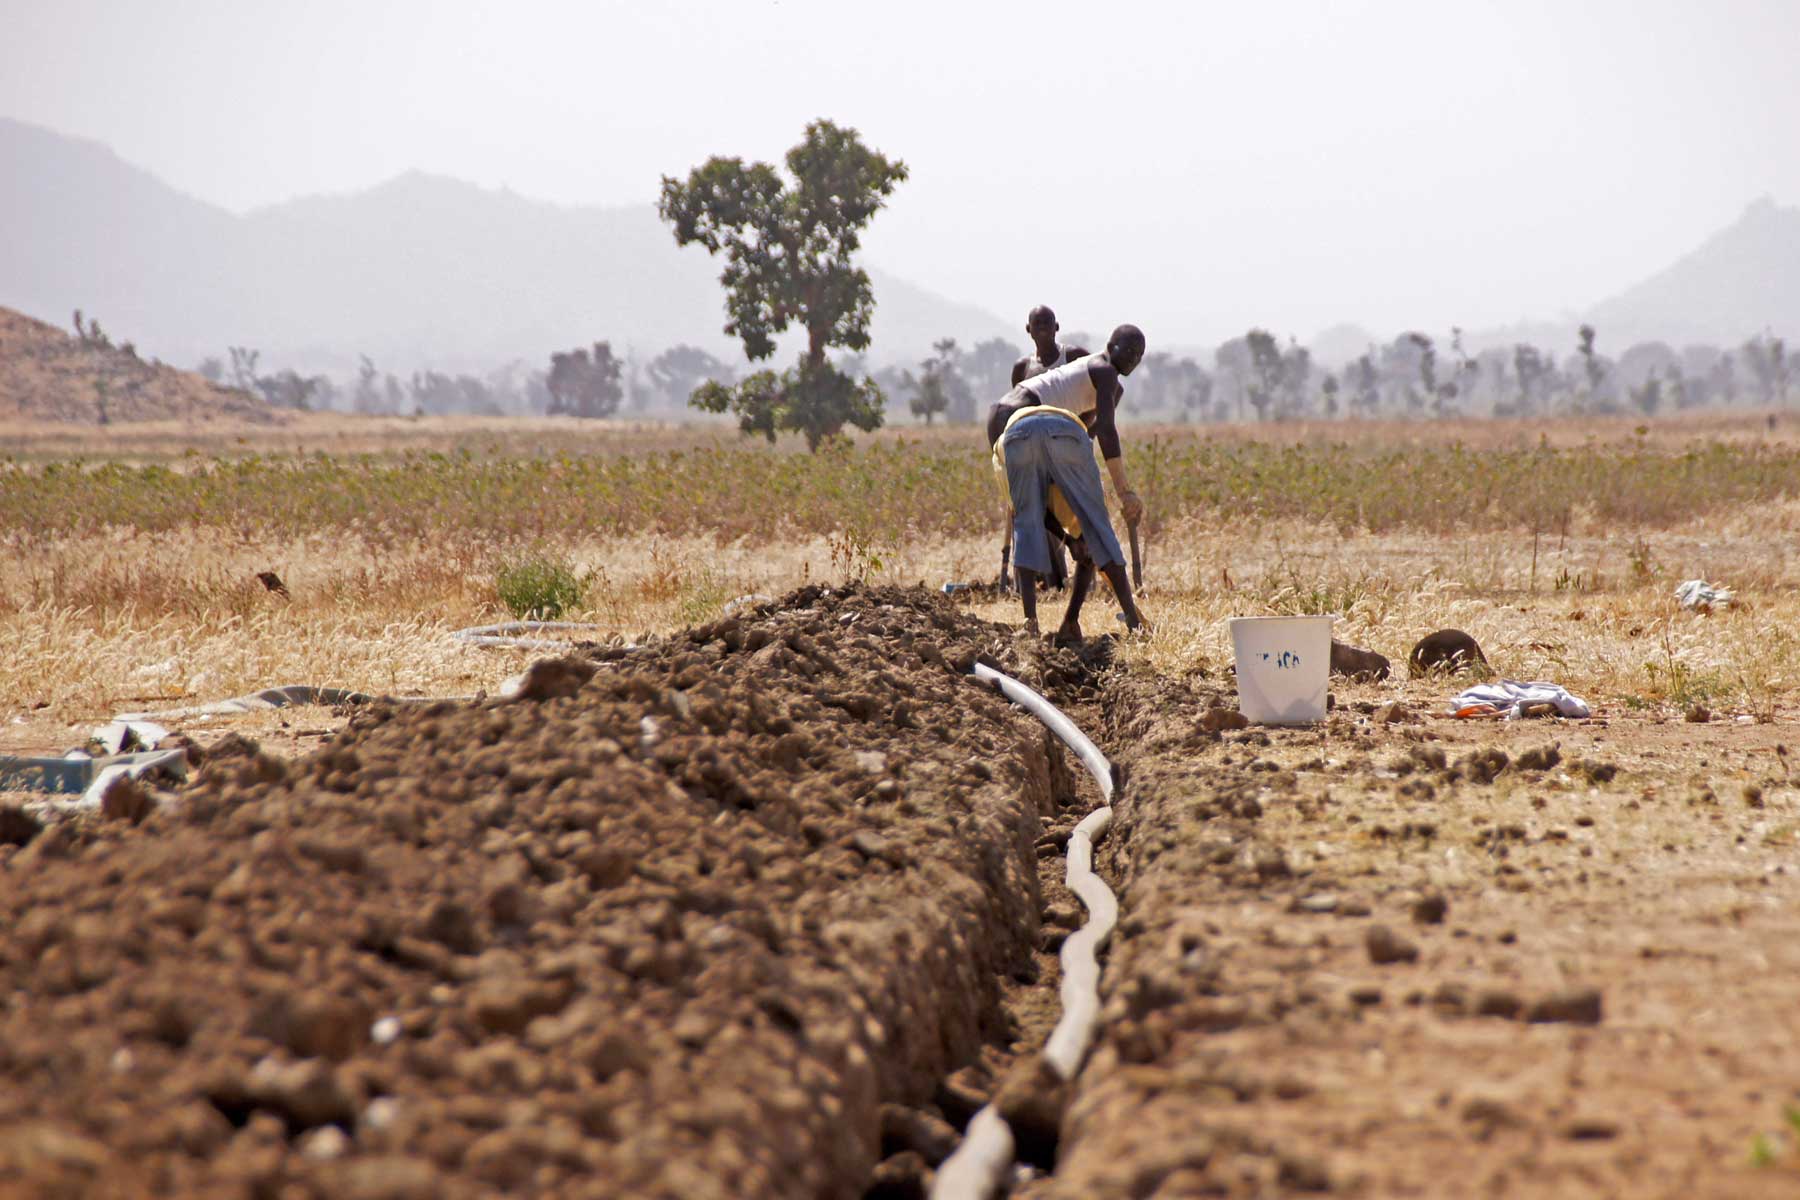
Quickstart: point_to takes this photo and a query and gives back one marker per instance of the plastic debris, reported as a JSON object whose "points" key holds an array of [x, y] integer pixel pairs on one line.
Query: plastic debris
{"points": [[1512, 700], [120, 737], [77, 773], [1702, 596]]}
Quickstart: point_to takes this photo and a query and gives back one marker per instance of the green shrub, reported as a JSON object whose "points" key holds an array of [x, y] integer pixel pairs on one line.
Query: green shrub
{"points": [[538, 587]]}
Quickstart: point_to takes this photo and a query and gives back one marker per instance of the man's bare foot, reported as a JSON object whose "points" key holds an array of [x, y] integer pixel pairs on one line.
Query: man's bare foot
{"points": [[1031, 628], [1067, 634], [1140, 627]]}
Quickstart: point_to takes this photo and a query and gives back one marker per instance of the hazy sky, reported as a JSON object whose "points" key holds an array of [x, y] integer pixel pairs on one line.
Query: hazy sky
{"points": [[1194, 167]]}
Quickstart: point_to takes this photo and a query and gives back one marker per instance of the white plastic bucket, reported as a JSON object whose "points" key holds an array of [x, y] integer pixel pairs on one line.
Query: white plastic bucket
{"points": [[1283, 668]]}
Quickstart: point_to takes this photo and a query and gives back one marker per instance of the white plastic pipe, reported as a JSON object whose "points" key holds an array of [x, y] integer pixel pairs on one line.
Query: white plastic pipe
{"points": [[509, 634], [979, 1167], [1074, 1033], [1056, 722]]}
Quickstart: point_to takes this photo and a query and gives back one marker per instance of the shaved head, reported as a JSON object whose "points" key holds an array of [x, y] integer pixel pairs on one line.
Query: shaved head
{"points": [[1126, 348]]}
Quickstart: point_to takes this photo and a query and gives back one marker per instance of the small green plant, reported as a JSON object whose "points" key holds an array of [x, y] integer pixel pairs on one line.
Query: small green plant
{"points": [[857, 554], [539, 587], [1578, 581]]}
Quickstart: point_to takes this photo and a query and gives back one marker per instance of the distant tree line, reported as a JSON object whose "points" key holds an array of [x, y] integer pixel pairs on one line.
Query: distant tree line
{"points": [[1255, 377], [1258, 378], [584, 382]]}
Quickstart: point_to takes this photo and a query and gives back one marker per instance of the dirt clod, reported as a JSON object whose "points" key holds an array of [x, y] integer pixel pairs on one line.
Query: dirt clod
{"points": [[1497, 1002], [1395, 713], [1539, 758], [125, 799], [311, 1025], [1483, 765], [1031, 1100], [1385, 946], [1430, 909], [1590, 1129], [1575, 1006], [902, 1128], [1218, 719], [17, 826], [553, 679], [1448, 650], [1362, 666], [904, 1176]]}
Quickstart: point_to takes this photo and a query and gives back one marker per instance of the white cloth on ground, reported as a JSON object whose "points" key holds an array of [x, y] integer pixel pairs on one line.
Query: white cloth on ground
{"points": [[1514, 698], [1701, 595]]}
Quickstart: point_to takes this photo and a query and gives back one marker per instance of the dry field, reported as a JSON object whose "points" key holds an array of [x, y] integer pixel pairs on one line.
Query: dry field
{"points": [[1254, 1044]]}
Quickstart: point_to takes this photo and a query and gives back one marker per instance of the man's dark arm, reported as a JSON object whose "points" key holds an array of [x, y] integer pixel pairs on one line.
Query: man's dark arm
{"points": [[1018, 375], [1104, 430]]}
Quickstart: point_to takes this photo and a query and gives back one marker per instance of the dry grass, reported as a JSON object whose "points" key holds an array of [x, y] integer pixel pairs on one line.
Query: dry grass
{"points": [[1599, 615], [98, 625], [118, 618]]}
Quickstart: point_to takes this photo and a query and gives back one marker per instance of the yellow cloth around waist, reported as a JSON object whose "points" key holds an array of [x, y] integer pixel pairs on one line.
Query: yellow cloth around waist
{"points": [[1059, 507]]}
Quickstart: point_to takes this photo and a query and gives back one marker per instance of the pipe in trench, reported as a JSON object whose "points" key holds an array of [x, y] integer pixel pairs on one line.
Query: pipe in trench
{"points": [[978, 1168]]}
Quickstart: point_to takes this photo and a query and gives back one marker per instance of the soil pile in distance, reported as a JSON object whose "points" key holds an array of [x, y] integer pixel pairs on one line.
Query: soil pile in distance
{"points": [[47, 375]]}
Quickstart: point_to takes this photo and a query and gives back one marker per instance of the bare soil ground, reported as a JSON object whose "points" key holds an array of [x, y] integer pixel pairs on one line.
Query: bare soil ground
{"points": [[677, 926], [1541, 958], [771, 908]]}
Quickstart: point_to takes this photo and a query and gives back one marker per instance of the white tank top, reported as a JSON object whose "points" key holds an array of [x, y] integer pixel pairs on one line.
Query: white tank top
{"points": [[1068, 386], [1035, 366]]}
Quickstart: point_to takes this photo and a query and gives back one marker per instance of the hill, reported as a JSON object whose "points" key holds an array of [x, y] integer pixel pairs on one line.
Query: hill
{"points": [[422, 270], [46, 375], [1741, 281]]}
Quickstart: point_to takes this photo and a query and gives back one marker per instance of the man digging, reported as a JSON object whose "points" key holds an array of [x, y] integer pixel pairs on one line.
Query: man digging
{"points": [[1045, 423], [1047, 354]]}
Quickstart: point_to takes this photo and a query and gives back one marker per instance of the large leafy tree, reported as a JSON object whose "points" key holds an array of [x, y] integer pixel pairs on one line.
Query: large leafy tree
{"points": [[789, 246]]}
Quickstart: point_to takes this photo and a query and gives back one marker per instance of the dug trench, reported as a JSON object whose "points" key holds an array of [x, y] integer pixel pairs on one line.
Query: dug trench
{"points": [[715, 918]]}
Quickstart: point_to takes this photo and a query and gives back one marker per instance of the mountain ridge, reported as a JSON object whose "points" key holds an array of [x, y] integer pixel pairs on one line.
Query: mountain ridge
{"points": [[425, 269], [419, 270]]}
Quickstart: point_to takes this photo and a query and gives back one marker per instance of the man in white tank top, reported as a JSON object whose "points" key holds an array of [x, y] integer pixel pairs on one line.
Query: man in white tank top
{"points": [[1047, 353], [1041, 328], [1045, 425]]}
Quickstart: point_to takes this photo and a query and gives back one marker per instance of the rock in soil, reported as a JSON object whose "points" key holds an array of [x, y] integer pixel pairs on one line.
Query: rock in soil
{"points": [[1396, 713], [1031, 1100], [1363, 666], [905, 1176], [1430, 909], [1448, 650], [1574, 1006], [1385, 946], [932, 1138], [17, 826], [1539, 758], [1218, 719], [1496, 1002]]}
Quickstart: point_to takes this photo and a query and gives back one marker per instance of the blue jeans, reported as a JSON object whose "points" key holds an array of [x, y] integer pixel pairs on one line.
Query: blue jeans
{"points": [[1043, 449]]}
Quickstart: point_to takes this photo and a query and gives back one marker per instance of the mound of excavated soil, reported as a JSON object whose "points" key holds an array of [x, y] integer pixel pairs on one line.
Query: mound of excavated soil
{"points": [[675, 925], [46, 375]]}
